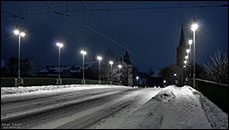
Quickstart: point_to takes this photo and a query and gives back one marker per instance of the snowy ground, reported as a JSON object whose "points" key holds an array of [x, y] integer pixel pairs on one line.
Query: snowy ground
{"points": [[108, 107]]}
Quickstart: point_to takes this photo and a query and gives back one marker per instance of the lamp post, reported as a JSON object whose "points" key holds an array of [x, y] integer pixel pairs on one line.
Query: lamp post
{"points": [[20, 34], [164, 81], [137, 79], [194, 27], [99, 58], [60, 45], [119, 68], [83, 54], [111, 63], [190, 47], [175, 78]]}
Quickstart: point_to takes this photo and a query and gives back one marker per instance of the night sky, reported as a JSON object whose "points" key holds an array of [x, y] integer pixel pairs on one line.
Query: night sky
{"points": [[151, 34]]}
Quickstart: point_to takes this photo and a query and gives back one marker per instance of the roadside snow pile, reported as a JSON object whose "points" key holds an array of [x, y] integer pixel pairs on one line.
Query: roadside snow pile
{"points": [[177, 108], [217, 118], [21, 93], [29, 89]]}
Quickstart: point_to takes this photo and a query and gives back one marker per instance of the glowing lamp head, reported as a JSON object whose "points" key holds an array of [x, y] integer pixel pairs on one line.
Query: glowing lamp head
{"points": [[99, 58], [164, 81], [184, 66], [111, 62], [175, 74], [187, 50], [137, 77], [16, 32], [194, 27], [119, 66], [186, 57], [60, 45], [22, 34], [83, 52], [190, 42], [185, 61]]}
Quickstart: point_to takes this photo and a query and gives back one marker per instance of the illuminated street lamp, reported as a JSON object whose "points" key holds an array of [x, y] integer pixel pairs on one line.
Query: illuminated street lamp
{"points": [[190, 48], [119, 68], [137, 79], [190, 42], [175, 78], [187, 51], [99, 58], [185, 62], [111, 63], [164, 81], [194, 27], [186, 57], [20, 34], [83, 53], [60, 45]]}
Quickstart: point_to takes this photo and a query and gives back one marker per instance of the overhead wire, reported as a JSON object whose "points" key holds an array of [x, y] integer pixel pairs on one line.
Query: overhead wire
{"points": [[97, 19], [136, 9]]}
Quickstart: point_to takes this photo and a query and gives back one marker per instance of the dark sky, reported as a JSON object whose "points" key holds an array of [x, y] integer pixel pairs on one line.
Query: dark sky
{"points": [[152, 35]]}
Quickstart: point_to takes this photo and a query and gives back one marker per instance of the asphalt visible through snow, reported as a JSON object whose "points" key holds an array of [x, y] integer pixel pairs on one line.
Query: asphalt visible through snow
{"points": [[74, 109]]}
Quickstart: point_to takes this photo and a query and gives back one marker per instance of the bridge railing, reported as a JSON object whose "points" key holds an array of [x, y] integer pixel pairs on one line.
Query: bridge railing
{"points": [[215, 92]]}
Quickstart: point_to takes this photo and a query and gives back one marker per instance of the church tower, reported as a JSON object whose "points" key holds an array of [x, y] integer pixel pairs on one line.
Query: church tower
{"points": [[181, 49]]}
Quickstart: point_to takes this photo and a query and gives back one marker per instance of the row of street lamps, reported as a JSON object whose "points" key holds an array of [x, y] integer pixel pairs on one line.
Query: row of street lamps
{"points": [[194, 27], [21, 34]]}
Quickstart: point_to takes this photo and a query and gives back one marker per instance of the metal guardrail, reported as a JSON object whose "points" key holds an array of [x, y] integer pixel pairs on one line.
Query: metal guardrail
{"points": [[207, 81], [215, 92]]}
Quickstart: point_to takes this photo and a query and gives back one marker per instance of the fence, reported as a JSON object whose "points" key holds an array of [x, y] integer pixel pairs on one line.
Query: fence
{"points": [[12, 82], [216, 92]]}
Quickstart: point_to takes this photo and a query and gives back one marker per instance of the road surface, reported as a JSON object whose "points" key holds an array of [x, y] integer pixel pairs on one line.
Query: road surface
{"points": [[74, 109]]}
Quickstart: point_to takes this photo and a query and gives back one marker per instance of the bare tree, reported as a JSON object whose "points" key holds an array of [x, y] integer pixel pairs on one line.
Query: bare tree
{"points": [[217, 70]]}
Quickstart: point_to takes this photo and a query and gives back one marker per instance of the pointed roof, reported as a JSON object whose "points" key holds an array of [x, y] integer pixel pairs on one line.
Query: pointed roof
{"points": [[182, 40]]}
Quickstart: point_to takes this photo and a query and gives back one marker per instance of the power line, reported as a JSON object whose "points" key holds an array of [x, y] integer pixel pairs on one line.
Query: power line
{"points": [[137, 8], [67, 21], [97, 19], [149, 8], [120, 45]]}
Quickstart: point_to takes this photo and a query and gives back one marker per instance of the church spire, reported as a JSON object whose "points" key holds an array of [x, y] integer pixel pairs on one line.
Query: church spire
{"points": [[182, 41]]}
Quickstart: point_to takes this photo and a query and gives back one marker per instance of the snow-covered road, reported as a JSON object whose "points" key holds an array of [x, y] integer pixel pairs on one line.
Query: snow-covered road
{"points": [[78, 107], [108, 107]]}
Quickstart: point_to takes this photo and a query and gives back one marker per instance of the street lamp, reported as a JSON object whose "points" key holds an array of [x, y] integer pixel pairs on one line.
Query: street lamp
{"points": [[194, 27], [111, 63], [190, 42], [137, 80], [83, 53], [60, 45], [188, 51], [175, 78], [164, 81], [190, 47], [186, 57], [185, 62], [20, 34], [119, 68], [99, 58]]}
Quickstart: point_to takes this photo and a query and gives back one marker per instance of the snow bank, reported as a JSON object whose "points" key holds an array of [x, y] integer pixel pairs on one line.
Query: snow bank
{"points": [[22, 93], [177, 108], [216, 117]]}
